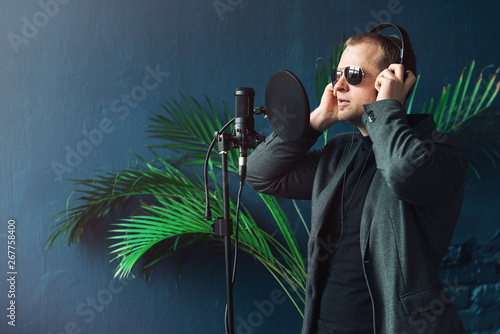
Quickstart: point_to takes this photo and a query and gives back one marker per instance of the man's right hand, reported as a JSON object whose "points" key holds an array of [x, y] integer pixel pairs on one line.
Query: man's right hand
{"points": [[327, 113]]}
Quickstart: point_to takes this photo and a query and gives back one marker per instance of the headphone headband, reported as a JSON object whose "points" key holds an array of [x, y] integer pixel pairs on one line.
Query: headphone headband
{"points": [[377, 29]]}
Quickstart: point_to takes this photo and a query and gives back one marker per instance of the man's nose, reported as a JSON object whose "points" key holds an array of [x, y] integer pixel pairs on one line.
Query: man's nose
{"points": [[341, 85]]}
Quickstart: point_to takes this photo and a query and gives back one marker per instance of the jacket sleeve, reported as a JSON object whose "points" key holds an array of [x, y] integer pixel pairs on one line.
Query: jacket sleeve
{"points": [[284, 169], [427, 169]]}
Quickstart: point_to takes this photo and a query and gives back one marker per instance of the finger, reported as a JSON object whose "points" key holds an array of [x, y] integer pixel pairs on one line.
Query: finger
{"points": [[410, 74], [398, 70], [329, 90], [378, 81], [387, 74], [410, 79]]}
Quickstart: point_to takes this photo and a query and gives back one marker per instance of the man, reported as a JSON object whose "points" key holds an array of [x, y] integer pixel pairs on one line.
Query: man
{"points": [[385, 200]]}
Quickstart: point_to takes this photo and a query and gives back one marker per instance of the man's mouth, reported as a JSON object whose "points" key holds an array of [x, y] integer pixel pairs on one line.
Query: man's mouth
{"points": [[343, 102]]}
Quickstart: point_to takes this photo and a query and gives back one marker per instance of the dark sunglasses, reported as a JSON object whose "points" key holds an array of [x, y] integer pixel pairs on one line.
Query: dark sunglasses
{"points": [[353, 74]]}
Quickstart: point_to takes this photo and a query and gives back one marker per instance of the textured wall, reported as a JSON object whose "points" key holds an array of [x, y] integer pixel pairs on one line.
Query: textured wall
{"points": [[79, 79]]}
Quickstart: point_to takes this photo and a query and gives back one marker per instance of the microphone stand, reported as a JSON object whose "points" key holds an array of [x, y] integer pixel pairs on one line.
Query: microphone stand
{"points": [[243, 137], [224, 226]]}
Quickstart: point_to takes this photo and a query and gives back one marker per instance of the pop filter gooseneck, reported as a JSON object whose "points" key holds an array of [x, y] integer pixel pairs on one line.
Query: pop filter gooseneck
{"points": [[287, 105]]}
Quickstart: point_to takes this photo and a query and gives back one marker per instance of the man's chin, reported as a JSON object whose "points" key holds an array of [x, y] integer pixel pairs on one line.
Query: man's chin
{"points": [[350, 117], [346, 115]]}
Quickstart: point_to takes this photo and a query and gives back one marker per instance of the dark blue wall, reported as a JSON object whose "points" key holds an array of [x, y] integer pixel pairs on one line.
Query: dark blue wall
{"points": [[65, 67]]}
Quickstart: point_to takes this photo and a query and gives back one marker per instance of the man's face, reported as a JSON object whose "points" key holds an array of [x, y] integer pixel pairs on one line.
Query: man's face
{"points": [[351, 98]]}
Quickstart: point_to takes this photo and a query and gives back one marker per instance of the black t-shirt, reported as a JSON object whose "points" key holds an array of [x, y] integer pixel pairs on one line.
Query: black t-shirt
{"points": [[345, 302]]}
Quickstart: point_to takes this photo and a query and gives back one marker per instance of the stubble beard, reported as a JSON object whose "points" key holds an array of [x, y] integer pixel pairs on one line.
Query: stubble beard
{"points": [[351, 116]]}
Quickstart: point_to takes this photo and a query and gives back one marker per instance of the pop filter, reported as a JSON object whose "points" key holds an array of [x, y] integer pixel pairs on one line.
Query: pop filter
{"points": [[287, 105]]}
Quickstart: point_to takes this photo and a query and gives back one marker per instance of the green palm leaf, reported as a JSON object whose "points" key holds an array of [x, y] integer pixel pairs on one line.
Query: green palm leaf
{"points": [[187, 134], [168, 219], [471, 116], [109, 192]]}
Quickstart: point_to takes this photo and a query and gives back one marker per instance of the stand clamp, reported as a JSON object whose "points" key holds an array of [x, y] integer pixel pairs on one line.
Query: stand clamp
{"points": [[222, 227]]}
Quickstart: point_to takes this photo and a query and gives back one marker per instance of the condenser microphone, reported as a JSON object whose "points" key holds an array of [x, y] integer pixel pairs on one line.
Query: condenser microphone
{"points": [[243, 121], [244, 135]]}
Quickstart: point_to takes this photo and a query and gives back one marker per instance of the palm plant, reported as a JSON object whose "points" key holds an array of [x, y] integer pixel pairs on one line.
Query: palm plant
{"points": [[173, 219], [470, 114]]}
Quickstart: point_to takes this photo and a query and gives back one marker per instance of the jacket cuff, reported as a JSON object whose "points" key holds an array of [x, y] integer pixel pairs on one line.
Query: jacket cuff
{"points": [[379, 111]]}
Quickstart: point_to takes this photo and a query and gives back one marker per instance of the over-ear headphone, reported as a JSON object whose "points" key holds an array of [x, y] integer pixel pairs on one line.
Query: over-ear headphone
{"points": [[406, 54]]}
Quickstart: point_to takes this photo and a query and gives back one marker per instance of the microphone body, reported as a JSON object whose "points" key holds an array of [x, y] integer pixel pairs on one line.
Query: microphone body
{"points": [[243, 122], [243, 135]]}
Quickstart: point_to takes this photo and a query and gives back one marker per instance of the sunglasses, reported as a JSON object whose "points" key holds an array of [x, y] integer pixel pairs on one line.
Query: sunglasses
{"points": [[353, 74]]}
